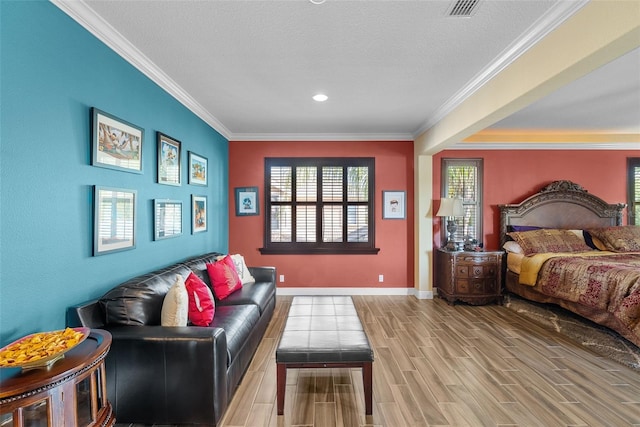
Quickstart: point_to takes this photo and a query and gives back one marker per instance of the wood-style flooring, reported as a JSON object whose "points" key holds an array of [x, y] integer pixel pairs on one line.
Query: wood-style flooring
{"points": [[442, 365]]}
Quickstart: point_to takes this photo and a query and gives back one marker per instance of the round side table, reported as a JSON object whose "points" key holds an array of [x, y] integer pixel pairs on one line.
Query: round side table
{"points": [[71, 392]]}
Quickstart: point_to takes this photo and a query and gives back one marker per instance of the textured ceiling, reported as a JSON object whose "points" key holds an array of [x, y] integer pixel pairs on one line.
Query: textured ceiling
{"points": [[390, 68], [605, 99]]}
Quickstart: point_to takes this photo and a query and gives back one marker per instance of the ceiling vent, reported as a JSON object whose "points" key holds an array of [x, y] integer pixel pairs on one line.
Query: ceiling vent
{"points": [[463, 8]]}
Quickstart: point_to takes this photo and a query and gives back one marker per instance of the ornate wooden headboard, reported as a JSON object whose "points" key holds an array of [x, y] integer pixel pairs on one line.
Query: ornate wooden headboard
{"points": [[561, 204]]}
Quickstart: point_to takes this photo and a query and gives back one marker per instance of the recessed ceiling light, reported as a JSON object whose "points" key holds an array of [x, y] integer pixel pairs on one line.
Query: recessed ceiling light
{"points": [[317, 1], [321, 97]]}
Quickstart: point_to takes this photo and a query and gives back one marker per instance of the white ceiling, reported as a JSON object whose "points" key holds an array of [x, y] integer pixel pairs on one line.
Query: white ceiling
{"points": [[605, 99], [391, 69]]}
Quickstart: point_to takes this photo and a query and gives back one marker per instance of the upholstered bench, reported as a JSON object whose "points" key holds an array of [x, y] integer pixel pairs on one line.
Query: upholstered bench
{"points": [[324, 332]]}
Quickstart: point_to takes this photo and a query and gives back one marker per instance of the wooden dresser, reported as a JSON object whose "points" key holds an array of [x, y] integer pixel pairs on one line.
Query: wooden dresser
{"points": [[472, 277]]}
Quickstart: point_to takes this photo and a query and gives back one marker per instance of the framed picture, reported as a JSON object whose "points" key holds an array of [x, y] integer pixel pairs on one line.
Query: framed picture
{"points": [[115, 143], [169, 159], [167, 216], [198, 214], [114, 227], [197, 169], [394, 205], [247, 201]]}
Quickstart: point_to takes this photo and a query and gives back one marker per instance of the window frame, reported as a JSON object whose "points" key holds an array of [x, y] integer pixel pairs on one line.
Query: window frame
{"points": [[319, 247], [444, 190], [632, 163]]}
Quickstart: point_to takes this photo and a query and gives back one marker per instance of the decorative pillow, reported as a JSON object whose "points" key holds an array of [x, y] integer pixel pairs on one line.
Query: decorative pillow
{"points": [[201, 304], [175, 306], [511, 228], [593, 242], [549, 240], [513, 247], [624, 238], [242, 270], [224, 278]]}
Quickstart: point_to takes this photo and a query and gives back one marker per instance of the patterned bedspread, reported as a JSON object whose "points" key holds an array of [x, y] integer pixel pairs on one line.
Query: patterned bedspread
{"points": [[607, 283]]}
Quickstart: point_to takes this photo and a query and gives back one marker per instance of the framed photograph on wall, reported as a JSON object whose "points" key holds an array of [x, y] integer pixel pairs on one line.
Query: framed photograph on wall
{"points": [[115, 143], [114, 224], [169, 159], [197, 169], [198, 214], [167, 216], [394, 205], [247, 201]]}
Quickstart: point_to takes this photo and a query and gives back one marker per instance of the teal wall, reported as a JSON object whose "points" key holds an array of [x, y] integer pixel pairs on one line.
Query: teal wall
{"points": [[52, 72]]}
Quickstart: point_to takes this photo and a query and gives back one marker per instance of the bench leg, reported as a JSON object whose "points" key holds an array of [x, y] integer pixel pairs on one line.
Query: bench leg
{"points": [[281, 386], [367, 380]]}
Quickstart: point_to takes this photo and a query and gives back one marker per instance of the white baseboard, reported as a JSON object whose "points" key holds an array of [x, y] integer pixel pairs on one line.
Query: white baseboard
{"points": [[355, 291], [423, 294]]}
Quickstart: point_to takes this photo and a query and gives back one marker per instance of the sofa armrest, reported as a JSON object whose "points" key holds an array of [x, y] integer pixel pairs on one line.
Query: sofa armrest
{"points": [[263, 274], [88, 314], [167, 375]]}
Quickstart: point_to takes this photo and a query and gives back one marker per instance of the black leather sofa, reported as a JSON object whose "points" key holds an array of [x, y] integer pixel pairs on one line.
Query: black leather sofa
{"points": [[177, 375]]}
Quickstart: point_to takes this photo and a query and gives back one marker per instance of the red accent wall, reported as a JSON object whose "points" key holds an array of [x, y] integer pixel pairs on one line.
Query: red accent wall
{"points": [[512, 175], [394, 171]]}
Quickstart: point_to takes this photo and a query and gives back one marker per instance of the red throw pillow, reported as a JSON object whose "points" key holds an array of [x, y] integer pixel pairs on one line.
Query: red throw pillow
{"points": [[224, 277], [201, 305]]}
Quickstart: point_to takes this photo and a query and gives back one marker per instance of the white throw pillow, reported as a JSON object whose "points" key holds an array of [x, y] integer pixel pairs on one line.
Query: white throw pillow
{"points": [[242, 270], [513, 247], [175, 307]]}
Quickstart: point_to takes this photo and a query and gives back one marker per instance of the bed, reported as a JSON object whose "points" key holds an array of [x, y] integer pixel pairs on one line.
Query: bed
{"points": [[568, 247]]}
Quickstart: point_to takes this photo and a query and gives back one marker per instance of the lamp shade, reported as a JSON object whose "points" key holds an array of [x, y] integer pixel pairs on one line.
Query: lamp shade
{"points": [[450, 207]]}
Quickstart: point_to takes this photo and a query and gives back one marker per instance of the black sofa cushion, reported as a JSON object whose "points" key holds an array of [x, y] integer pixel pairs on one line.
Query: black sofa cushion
{"points": [[237, 321], [138, 301], [259, 293]]}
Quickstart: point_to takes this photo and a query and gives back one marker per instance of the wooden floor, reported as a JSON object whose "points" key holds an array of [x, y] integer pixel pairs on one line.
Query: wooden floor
{"points": [[441, 365]]}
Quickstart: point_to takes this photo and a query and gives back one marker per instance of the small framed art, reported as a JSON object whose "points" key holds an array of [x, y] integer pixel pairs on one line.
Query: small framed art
{"points": [[115, 143], [169, 159], [247, 201], [198, 214], [167, 219], [197, 169], [114, 227], [394, 205]]}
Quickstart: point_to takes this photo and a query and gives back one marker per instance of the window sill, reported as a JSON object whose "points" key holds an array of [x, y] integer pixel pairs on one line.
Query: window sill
{"points": [[318, 251]]}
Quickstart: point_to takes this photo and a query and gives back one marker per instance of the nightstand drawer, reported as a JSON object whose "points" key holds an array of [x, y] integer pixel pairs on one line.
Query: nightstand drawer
{"points": [[476, 270], [474, 286], [462, 270]]}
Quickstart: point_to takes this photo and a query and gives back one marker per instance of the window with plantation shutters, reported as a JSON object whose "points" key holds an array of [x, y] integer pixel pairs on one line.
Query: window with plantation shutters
{"points": [[633, 197], [319, 205], [462, 179]]}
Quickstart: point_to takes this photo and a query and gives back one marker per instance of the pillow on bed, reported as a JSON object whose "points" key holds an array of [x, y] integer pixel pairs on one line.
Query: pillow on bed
{"points": [[513, 247], [549, 240], [512, 228], [624, 238], [593, 241]]}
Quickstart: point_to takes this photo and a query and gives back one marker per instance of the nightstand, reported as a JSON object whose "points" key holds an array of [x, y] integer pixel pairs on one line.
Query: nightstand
{"points": [[472, 277]]}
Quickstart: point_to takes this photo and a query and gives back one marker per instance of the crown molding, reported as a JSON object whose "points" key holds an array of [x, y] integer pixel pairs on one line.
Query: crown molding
{"points": [[302, 137], [543, 26], [519, 145], [82, 13], [559, 136]]}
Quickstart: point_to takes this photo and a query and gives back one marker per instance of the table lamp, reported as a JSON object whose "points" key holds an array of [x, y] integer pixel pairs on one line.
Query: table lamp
{"points": [[450, 208]]}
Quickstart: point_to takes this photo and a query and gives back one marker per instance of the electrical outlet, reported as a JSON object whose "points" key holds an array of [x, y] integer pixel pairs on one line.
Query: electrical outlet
{"points": [[381, 278], [282, 278]]}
